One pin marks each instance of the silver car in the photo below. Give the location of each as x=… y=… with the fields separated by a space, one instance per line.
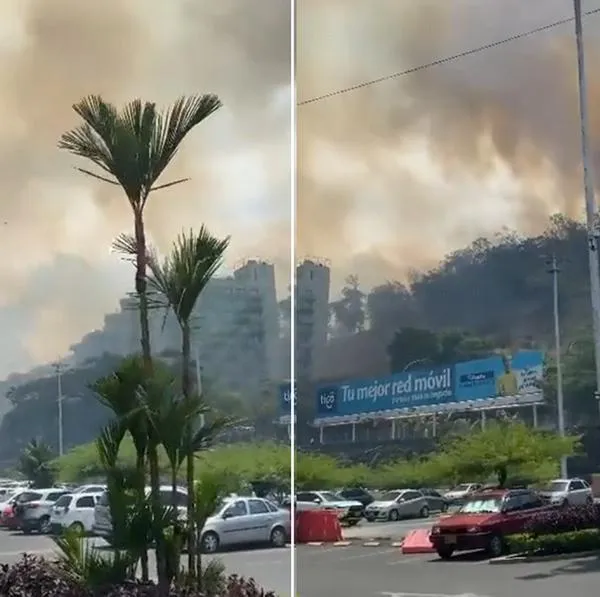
x=245 y=520
x=34 y=507
x=568 y=492
x=397 y=504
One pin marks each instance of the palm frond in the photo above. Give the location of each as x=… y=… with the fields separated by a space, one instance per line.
x=185 y=272
x=135 y=145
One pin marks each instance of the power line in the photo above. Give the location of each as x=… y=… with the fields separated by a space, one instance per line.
x=446 y=60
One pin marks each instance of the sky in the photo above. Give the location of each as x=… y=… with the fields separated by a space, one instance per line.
x=58 y=277
x=393 y=176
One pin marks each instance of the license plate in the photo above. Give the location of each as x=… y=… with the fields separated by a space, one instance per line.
x=449 y=538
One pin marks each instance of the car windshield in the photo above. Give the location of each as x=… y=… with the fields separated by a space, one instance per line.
x=461 y=487
x=390 y=496
x=63 y=501
x=481 y=506
x=328 y=496
x=558 y=486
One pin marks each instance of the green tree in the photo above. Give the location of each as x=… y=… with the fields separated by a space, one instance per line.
x=180 y=279
x=132 y=148
x=36 y=464
x=504 y=449
x=349 y=311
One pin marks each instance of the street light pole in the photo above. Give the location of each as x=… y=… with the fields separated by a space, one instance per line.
x=59 y=399
x=560 y=407
x=588 y=185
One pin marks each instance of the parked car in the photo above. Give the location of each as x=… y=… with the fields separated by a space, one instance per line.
x=33 y=507
x=74 y=511
x=460 y=492
x=246 y=520
x=568 y=492
x=397 y=504
x=88 y=489
x=435 y=500
x=102 y=525
x=348 y=511
x=358 y=494
x=485 y=520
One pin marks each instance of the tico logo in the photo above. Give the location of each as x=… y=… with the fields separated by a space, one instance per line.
x=327 y=400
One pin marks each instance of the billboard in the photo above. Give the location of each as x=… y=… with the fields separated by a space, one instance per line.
x=286 y=393
x=516 y=379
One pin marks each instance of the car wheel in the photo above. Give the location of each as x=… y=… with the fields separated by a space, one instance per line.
x=278 y=537
x=424 y=513
x=210 y=542
x=45 y=525
x=393 y=516
x=495 y=546
x=445 y=552
x=77 y=528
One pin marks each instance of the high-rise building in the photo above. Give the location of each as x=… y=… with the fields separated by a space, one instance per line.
x=235 y=329
x=312 y=314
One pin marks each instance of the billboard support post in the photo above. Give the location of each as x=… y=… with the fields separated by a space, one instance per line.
x=321 y=434
x=434 y=425
x=393 y=429
x=483 y=420
x=535 y=416
x=353 y=432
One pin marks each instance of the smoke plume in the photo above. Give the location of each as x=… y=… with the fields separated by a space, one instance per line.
x=394 y=175
x=57 y=276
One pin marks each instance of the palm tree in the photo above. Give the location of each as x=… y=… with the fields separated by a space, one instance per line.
x=132 y=148
x=180 y=279
x=36 y=463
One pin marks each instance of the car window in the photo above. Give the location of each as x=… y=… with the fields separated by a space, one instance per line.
x=350 y=493
x=391 y=496
x=87 y=501
x=54 y=495
x=575 y=485
x=237 y=509
x=103 y=501
x=272 y=507
x=306 y=496
x=556 y=486
x=329 y=496
x=64 y=500
x=513 y=502
x=530 y=500
x=29 y=496
x=167 y=498
x=257 y=507
x=483 y=505
x=412 y=495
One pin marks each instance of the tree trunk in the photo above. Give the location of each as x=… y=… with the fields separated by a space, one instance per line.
x=141 y=287
x=140 y=466
x=502 y=474
x=161 y=562
x=186 y=386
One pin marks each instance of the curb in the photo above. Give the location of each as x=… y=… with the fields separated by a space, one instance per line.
x=361 y=543
x=522 y=559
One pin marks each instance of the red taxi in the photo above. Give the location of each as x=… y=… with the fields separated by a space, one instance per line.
x=484 y=520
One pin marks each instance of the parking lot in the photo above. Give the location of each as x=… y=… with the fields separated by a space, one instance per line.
x=394 y=531
x=269 y=567
x=385 y=572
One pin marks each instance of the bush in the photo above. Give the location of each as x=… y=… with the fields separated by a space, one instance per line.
x=562 y=543
x=564 y=520
x=33 y=576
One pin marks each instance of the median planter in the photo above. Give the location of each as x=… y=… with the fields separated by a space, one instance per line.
x=530 y=547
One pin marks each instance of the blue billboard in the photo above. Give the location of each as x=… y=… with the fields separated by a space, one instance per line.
x=286 y=394
x=481 y=379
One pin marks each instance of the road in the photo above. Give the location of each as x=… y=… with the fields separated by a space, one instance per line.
x=385 y=572
x=386 y=530
x=269 y=567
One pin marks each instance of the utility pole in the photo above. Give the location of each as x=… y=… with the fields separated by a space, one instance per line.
x=588 y=185
x=58 y=368
x=560 y=406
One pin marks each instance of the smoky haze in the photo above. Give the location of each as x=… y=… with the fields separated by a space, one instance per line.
x=392 y=176
x=57 y=277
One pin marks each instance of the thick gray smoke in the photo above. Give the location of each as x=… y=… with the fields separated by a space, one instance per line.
x=57 y=276
x=394 y=175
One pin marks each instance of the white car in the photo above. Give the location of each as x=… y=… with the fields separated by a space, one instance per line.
x=568 y=492
x=74 y=511
x=348 y=511
x=90 y=489
x=461 y=491
x=102 y=525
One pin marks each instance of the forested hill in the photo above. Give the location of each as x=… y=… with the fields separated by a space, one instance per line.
x=498 y=287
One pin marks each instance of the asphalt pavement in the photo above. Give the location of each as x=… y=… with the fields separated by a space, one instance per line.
x=269 y=567
x=385 y=572
x=394 y=531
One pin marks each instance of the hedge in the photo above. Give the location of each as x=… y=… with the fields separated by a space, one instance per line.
x=560 y=543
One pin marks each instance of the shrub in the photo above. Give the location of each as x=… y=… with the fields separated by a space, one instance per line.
x=563 y=520
x=33 y=576
x=562 y=543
